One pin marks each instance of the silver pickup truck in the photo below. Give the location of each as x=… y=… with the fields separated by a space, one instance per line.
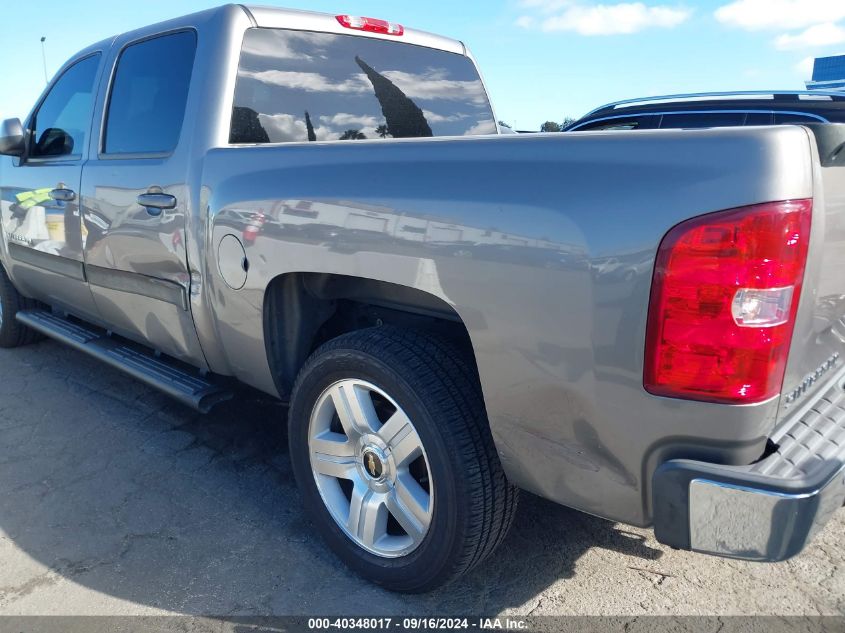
x=649 y=326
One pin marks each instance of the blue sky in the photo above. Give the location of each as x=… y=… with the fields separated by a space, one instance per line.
x=542 y=59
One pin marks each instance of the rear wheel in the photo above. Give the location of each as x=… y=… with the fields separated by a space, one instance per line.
x=393 y=455
x=12 y=333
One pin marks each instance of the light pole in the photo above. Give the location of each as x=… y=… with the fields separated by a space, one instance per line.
x=44 y=58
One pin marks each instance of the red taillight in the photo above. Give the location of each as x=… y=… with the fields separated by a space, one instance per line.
x=723 y=303
x=371 y=25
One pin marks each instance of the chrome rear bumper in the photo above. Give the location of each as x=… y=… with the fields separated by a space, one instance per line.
x=767 y=511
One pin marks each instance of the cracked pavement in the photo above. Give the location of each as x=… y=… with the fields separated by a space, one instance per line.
x=115 y=500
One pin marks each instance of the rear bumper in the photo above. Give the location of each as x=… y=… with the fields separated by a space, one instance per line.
x=767 y=511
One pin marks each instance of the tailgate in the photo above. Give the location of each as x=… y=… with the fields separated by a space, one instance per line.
x=818 y=343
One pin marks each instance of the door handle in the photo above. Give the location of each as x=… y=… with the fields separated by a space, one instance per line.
x=155 y=203
x=63 y=195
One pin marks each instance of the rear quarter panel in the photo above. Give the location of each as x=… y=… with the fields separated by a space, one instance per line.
x=544 y=245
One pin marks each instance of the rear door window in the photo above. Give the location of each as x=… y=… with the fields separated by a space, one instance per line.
x=299 y=86
x=149 y=93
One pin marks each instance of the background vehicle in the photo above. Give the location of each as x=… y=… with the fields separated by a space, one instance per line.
x=716 y=109
x=648 y=327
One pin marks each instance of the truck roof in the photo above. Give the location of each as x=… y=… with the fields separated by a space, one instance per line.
x=279 y=18
x=271 y=17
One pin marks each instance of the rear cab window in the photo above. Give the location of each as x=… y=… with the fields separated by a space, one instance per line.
x=300 y=86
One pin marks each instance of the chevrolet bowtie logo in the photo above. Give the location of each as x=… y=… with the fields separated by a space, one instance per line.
x=373 y=464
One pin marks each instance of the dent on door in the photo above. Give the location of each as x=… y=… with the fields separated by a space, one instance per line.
x=135 y=262
x=128 y=233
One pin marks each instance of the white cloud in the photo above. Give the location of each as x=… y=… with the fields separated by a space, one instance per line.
x=604 y=19
x=431 y=85
x=274 y=45
x=310 y=82
x=427 y=85
x=756 y=15
x=805 y=67
x=348 y=121
x=814 y=36
x=487 y=126
x=283 y=128
x=279 y=44
x=433 y=117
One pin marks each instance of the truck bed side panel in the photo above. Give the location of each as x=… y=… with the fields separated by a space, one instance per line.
x=818 y=343
x=544 y=246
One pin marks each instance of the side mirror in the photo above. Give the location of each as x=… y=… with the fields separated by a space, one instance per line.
x=11 y=137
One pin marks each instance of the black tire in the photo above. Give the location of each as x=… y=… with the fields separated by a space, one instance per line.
x=438 y=389
x=12 y=333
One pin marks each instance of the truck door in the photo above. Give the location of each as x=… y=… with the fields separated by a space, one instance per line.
x=40 y=194
x=135 y=197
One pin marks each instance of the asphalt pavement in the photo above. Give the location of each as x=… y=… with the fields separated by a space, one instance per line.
x=115 y=500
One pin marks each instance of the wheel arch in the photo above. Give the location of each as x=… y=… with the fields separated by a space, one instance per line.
x=302 y=310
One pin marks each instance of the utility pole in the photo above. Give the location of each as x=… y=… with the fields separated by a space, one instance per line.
x=44 y=58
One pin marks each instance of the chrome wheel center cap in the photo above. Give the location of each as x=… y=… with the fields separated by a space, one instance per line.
x=374 y=463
